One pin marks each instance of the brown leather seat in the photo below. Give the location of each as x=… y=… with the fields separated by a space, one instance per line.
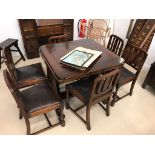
x=92 y=91
x=26 y=75
x=36 y=100
x=38 y=97
x=83 y=88
x=125 y=76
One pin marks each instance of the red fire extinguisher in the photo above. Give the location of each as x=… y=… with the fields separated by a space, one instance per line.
x=82 y=27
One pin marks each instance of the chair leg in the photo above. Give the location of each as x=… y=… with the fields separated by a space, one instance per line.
x=62 y=116
x=88 y=117
x=132 y=86
x=20 y=115
x=108 y=106
x=115 y=96
x=67 y=99
x=28 y=126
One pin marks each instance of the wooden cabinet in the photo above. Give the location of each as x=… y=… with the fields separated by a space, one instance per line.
x=36 y=32
x=150 y=78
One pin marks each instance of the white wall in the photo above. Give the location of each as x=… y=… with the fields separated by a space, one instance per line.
x=9 y=28
x=121 y=27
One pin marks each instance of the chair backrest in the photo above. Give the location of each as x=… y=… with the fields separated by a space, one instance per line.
x=134 y=57
x=115 y=44
x=104 y=84
x=98 y=30
x=11 y=84
x=9 y=61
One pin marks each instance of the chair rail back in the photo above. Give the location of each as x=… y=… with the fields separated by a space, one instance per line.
x=9 y=61
x=134 y=56
x=11 y=84
x=115 y=44
x=104 y=84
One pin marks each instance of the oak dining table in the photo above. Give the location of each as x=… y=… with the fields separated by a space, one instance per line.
x=60 y=74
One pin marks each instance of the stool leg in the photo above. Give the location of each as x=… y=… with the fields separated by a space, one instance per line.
x=0 y=58
x=16 y=45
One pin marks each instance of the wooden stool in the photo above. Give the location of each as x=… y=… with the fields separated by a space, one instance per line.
x=8 y=43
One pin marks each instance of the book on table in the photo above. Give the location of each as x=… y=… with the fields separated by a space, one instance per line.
x=80 y=58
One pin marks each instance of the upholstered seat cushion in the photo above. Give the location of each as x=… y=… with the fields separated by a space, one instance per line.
x=29 y=73
x=125 y=76
x=38 y=97
x=82 y=88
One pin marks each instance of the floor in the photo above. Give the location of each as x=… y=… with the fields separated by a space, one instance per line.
x=131 y=115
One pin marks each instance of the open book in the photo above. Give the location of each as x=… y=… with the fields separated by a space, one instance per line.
x=80 y=57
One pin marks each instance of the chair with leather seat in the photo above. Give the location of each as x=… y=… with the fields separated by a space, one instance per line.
x=134 y=57
x=36 y=100
x=92 y=91
x=26 y=75
x=115 y=44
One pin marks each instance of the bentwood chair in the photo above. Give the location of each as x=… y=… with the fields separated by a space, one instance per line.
x=134 y=58
x=97 y=29
x=24 y=76
x=92 y=91
x=115 y=44
x=34 y=101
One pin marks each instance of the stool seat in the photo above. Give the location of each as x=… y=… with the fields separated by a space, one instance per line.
x=8 y=43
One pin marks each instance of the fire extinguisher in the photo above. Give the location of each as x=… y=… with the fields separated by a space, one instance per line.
x=82 y=27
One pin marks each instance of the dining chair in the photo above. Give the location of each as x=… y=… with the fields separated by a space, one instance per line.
x=58 y=38
x=115 y=44
x=92 y=91
x=26 y=75
x=134 y=57
x=34 y=101
x=96 y=29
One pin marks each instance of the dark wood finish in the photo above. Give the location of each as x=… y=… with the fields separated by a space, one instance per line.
x=58 y=39
x=115 y=44
x=51 y=54
x=30 y=38
x=8 y=43
x=150 y=78
x=35 y=101
x=135 y=58
x=37 y=32
x=92 y=91
x=24 y=76
x=142 y=34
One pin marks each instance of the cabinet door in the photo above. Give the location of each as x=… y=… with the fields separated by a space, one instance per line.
x=29 y=35
x=68 y=28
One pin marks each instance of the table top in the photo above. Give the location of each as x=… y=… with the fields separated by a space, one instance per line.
x=51 y=54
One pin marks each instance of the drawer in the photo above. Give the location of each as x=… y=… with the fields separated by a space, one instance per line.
x=43 y=31
x=56 y=30
x=48 y=31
